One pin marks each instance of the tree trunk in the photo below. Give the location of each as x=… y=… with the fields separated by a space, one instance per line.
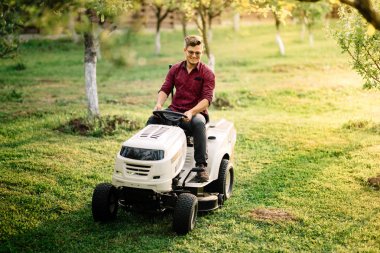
x=304 y=22
x=209 y=35
x=303 y=29
x=279 y=41
x=280 y=44
x=184 y=25
x=158 y=42
x=202 y=26
x=211 y=62
x=236 y=21
x=209 y=32
x=311 y=38
x=90 y=48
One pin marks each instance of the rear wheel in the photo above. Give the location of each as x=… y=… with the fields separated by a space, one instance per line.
x=225 y=182
x=185 y=213
x=104 y=202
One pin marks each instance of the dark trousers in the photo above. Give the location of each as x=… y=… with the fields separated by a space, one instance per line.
x=196 y=128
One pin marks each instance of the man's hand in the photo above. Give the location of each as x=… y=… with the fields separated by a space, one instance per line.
x=158 y=107
x=161 y=98
x=189 y=115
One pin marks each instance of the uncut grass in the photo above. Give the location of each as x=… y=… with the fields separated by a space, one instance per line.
x=292 y=152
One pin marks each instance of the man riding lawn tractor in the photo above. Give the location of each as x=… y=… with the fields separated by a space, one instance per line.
x=194 y=83
x=159 y=167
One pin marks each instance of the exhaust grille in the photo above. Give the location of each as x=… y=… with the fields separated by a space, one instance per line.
x=136 y=169
x=149 y=130
x=159 y=132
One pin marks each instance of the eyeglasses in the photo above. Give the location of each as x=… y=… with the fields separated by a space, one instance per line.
x=197 y=53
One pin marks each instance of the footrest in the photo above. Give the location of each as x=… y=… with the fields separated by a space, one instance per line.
x=207 y=203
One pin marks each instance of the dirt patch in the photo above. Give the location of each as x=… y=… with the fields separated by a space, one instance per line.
x=374 y=182
x=285 y=68
x=98 y=127
x=48 y=81
x=271 y=214
x=222 y=103
x=366 y=125
x=78 y=126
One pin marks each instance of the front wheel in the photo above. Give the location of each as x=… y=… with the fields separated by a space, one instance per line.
x=104 y=202
x=185 y=213
x=225 y=180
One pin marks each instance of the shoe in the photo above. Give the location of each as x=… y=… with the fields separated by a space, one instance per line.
x=202 y=175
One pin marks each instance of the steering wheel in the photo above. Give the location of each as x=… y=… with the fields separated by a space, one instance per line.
x=174 y=117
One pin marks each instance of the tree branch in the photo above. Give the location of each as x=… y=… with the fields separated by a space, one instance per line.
x=365 y=8
x=373 y=60
x=362 y=69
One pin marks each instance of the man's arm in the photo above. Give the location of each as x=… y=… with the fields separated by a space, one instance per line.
x=161 y=98
x=166 y=88
x=200 y=107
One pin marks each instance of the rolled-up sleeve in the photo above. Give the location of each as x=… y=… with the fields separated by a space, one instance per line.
x=169 y=81
x=208 y=85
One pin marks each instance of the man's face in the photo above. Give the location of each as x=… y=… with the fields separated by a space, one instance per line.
x=193 y=54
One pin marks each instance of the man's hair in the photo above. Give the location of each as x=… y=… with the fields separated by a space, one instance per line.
x=192 y=41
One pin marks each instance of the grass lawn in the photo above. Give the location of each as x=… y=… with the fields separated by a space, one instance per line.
x=308 y=140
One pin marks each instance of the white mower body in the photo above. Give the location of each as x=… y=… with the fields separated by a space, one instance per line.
x=150 y=174
x=158 y=153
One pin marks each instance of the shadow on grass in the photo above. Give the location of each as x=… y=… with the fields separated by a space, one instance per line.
x=289 y=172
x=289 y=177
x=77 y=232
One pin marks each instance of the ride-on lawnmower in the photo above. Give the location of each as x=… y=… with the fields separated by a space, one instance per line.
x=155 y=170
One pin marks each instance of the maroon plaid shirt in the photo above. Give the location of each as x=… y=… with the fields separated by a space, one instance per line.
x=191 y=88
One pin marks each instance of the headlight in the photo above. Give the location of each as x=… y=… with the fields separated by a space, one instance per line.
x=142 y=154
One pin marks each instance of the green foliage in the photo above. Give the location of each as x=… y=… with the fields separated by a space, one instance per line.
x=117 y=48
x=10 y=22
x=312 y=13
x=109 y=8
x=362 y=43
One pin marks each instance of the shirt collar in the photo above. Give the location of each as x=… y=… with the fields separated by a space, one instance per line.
x=197 y=67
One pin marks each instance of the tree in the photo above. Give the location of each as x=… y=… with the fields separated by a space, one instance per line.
x=236 y=21
x=14 y=15
x=358 y=35
x=279 y=41
x=10 y=23
x=362 y=43
x=93 y=13
x=246 y=6
x=204 y=12
x=186 y=15
x=215 y=9
x=202 y=9
x=161 y=10
x=97 y=13
x=310 y=14
x=281 y=10
x=364 y=7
